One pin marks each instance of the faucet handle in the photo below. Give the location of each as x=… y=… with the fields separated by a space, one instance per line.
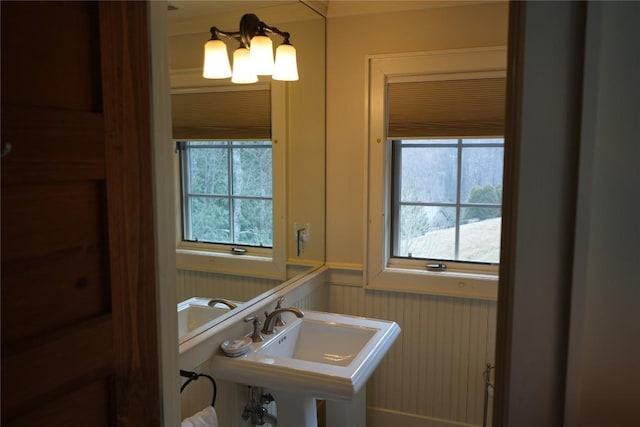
x=256 y=336
x=279 y=321
x=279 y=304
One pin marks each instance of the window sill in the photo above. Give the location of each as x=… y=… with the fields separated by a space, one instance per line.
x=445 y=283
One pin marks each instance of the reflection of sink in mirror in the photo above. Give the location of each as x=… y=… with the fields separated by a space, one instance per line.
x=194 y=314
x=247 y=289
x=321 y=342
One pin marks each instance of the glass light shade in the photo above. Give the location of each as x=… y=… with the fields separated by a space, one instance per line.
x=286 y=66
x=216 y=60
x=243 y=71
x=261 y=49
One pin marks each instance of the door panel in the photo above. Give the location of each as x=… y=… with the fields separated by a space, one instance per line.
x=51 y=145
x=39 y=370
x=85 y=406
x=79 y=339
x=53 y=254
x=54 y=47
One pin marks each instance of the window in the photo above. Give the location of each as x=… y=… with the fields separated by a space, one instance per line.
x=435 y=153
x=447 y=196
x=227 y=192
x=230 y=179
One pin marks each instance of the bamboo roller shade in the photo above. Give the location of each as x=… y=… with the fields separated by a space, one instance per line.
x=446 y=108
x=224 y=115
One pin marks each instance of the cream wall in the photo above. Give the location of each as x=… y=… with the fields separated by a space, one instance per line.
x=349 y=40
x=306 y=136
x=433 y=375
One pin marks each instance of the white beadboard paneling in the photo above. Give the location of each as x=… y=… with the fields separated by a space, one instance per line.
x=215 y=285
x=346 y=300
x=411 y=386
x=434 y=369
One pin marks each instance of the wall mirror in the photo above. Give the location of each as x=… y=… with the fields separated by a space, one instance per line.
x=297 y=116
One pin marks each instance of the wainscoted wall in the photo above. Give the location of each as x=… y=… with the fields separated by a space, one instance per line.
x=216 y=285
x=433 y=374
x=432 y=377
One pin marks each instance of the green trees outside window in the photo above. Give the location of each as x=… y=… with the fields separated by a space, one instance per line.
x=227 y=192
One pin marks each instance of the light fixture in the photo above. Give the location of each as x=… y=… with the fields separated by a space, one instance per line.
x=254 y=56
x=216 y=61
x=285 y=67
x=243 y=70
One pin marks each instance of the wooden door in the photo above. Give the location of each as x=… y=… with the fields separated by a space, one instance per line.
x=79 y=339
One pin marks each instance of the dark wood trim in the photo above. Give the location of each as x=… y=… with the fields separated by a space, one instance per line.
x=127 y=111
x=515 y=55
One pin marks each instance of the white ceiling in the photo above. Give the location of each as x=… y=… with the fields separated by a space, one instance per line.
x=188 y=9
x=337 y=8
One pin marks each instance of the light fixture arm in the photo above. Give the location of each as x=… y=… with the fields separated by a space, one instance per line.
x=250 y=25
x=274 y=30
x=216 y=33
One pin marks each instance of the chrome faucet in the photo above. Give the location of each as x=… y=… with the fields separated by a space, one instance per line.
x=269 y=320
x=226 y=302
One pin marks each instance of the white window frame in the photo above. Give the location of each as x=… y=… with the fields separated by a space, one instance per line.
x=269 y=263
x=408 y=275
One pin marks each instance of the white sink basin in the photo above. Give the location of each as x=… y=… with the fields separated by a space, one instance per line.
x=323 y=355
x=321 y=342
x=194 y=314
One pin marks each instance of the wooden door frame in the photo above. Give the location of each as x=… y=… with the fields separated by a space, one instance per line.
x=127 y=116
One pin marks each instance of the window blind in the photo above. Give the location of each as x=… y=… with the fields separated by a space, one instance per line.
x=446 y=108
x=222 y=115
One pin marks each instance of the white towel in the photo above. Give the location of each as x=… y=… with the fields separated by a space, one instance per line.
x=205 y=418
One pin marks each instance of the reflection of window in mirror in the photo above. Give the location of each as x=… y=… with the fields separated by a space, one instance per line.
x=226 y=172
x=226 y=194
x=437 y=150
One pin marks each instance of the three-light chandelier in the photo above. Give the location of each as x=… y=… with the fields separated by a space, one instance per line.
x=254 y=56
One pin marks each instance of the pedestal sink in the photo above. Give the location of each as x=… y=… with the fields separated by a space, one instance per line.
x=321 y=355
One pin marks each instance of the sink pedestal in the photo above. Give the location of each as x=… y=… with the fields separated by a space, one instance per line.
x=296 y=410
x=348 y=413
